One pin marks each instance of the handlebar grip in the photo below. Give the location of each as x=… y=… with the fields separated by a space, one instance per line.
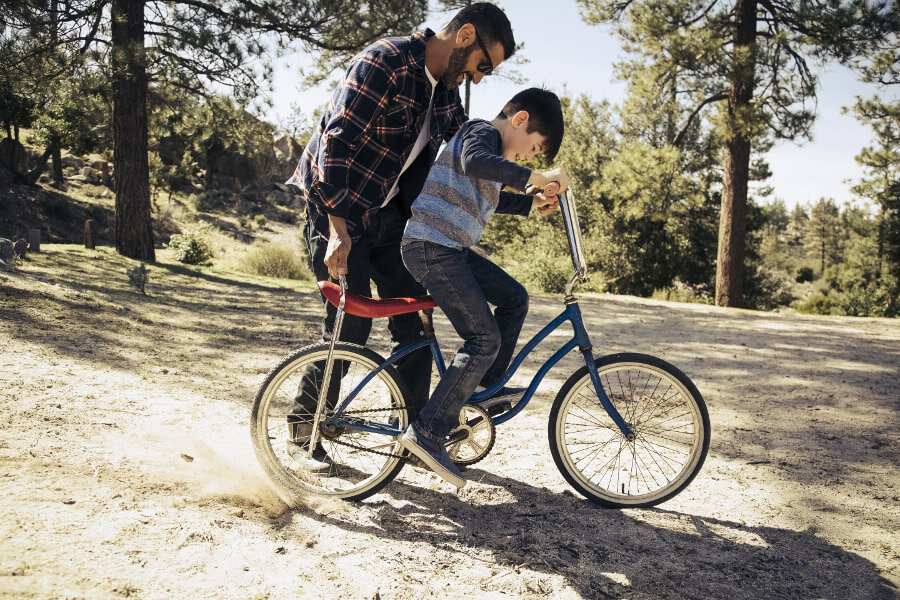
x=551 y=189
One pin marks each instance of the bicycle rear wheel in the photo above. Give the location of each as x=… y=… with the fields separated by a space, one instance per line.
x=361 y=463
x=666 y=414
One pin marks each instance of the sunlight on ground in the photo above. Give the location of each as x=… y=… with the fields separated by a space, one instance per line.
x=619 y=578
x=693 y=526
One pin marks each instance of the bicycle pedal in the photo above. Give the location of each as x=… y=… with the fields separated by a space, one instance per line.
x=499 y=408
x=457 y=435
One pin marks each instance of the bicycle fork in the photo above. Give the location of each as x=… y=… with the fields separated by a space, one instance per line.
x=586 y=349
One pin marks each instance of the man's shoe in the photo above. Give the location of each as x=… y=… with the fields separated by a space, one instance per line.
x=298 y=449
x=319 y=462
x=433 y=454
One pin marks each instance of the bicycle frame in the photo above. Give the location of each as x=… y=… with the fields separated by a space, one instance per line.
x=571 y=314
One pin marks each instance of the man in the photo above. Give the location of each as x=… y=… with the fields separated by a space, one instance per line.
x=368 y=161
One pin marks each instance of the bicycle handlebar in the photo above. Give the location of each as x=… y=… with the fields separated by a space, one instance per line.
x=573 y=235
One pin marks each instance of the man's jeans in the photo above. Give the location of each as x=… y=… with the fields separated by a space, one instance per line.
x=377 y=257
x=463 y=283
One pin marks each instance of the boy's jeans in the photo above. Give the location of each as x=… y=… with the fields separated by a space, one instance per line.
x=463 y=283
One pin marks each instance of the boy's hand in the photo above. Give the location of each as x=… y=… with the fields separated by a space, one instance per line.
x=558 y=176
x=545 y=204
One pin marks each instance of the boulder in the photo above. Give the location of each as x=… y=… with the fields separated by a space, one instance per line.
x=6 y=176
x=72 y=161
x=13 y=156
x=288 y=153
x=288 y=147
x=91 y=176
x=230 y=171
x=7 y=250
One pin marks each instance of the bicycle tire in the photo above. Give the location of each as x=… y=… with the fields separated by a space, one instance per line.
x=361 y=463
x=666 y=413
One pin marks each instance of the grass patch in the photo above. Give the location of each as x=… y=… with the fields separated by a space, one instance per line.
x=280 y=259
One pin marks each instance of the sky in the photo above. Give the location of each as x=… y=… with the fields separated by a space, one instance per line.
x=568 y=56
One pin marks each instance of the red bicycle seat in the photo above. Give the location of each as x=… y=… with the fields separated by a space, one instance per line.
x=373 y=308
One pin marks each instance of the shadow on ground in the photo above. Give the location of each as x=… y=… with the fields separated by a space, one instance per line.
x=634 y=553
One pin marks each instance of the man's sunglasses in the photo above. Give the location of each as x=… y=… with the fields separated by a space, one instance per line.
x=484 y=68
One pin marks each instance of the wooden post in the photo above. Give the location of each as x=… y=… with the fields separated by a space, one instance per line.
x=89 y=234
x=34 y=240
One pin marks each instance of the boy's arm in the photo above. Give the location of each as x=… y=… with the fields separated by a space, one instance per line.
x=521 y=204
x=512 y=203
x=481 y=160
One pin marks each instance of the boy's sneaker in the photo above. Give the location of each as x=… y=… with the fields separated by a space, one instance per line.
x=298 y=449
x=433 y=454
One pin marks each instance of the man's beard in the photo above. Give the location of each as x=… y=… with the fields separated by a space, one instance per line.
x=457 y=66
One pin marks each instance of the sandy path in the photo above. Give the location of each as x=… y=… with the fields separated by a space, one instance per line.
x=126 y=468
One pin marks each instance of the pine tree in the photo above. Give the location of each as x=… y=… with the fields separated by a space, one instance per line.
x=751 y=58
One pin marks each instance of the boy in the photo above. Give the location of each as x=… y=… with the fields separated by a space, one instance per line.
x=448 y=217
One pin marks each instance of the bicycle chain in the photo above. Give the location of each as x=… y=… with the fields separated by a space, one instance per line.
x=358 y=447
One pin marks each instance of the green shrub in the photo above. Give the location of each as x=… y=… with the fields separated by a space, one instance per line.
x=683 y=292
x=547 y=274
x=277 y=259
x=192 y=247
x=817 y=305
x=138 y=276
x=260 y=220
x=804 y=274
x=767 y=289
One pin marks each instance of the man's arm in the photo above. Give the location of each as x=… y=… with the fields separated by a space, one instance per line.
x=361 y=98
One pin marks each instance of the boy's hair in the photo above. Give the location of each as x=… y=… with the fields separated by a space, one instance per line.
x=491 y=24
x=544 y=116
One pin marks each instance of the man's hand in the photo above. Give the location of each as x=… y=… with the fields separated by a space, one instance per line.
x=338 y=247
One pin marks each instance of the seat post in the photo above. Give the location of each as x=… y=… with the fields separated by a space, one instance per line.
x=427 y=322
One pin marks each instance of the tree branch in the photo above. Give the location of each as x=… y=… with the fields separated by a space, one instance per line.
x=716 y=98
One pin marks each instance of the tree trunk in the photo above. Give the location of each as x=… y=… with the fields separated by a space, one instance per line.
x=32 y=176
x=134 y=231
x=57 y=168
x=733 y=222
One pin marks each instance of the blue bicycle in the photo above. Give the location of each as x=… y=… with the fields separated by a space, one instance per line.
x=626 y=430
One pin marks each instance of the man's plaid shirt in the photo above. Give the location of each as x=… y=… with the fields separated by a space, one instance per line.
x=368 y=131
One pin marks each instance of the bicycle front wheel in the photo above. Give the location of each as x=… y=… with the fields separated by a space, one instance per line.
x=667 y=416
x=358 y=463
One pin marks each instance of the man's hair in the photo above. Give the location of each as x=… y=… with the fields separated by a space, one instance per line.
x=544 y=116
x=491 y=24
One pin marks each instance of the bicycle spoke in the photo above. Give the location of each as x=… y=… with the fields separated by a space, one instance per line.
x=357 y=462
x=668 y=421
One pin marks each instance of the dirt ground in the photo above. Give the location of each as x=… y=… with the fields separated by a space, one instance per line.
x=126 y=468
